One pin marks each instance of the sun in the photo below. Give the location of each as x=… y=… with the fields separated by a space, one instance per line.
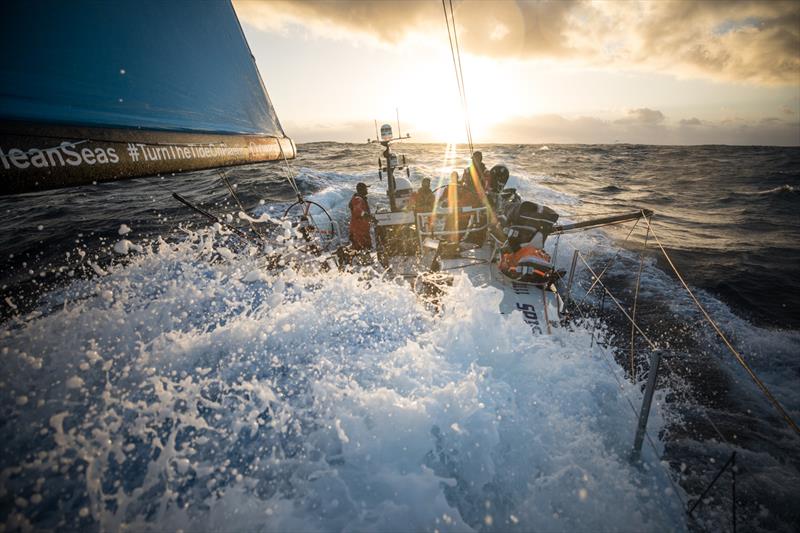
x=431 y=106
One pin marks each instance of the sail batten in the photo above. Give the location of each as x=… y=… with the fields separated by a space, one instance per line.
x=98 y=91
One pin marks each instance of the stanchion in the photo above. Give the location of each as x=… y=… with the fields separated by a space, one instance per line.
x=571 y=275
x=652 y=375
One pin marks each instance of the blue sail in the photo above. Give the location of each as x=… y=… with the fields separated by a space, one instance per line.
x=96 y=91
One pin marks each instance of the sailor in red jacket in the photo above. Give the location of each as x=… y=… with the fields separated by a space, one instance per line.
x=360 y=218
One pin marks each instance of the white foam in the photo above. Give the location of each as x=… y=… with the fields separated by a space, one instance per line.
x=306 y=401
x=124 y=246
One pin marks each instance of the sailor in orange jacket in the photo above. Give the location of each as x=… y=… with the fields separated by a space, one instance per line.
x=360 y=218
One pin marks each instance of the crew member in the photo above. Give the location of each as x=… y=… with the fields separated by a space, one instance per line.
x=496 y=182
x=423 y=198
x=360 y=218
x=475 y=174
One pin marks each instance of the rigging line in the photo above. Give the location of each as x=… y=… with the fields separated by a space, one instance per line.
x=560 y=232
x=463 y=84
x=704 y=414
x=725 y=340
x=635 y=303
x=224 y=176
x=289 y=174
x=242 y=235
x=713 y=481
x=609 y=263
x=576 y=215
x=668 y=364
x=459 y=73
x=652 y=345
x=613 y=299
x=675 y=488
x=453 y=55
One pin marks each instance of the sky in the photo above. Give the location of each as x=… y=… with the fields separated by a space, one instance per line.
x=650 y=72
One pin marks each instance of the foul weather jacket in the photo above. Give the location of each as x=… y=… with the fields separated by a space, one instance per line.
x=359 y=223
x=423 y=201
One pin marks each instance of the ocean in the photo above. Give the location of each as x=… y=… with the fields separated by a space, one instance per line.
x=157 y=375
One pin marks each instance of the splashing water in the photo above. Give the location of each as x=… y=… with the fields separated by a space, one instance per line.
x=182 y=391
x=181 y=384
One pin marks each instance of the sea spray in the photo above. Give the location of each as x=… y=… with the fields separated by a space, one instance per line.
x=305 y=401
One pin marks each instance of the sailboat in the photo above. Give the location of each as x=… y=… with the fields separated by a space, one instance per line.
x=492 y=235
x=117 y=90
x=169 y=91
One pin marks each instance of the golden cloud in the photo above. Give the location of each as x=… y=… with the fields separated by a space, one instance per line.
x=751 y=41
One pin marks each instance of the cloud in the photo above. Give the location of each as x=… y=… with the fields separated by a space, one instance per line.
x=643 y=116
x=739 y=40
x=691 y=122
x=745 y=40
x=591 y=130
x=388 y=21
x=556 y=129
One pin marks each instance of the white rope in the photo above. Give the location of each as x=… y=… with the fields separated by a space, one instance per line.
x=619 y=305
x=610 y=368
x=289 y=173
x=290 y=177
x=764 y=389
x=610 y=261
x=224 y=176
x=667 y=363
x=649 y=341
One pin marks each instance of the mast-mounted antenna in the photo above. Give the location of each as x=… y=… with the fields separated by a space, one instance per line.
x=399 y=131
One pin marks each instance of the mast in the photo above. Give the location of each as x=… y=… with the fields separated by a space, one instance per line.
x=386 y=138
x=391 y=162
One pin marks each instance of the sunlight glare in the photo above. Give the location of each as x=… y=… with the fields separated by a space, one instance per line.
x=432 y=105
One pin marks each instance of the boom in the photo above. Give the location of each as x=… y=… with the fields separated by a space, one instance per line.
x=605 y=221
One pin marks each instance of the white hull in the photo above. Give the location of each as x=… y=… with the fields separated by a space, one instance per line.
x=538 y=307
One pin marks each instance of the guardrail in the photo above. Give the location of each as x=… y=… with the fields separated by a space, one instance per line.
x=435 y=224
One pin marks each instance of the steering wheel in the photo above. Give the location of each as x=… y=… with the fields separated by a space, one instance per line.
x=325 y=230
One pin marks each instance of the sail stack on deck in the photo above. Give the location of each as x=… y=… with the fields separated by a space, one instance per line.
x=102 y=91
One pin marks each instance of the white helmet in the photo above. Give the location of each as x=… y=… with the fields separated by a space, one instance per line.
x=402 y=192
